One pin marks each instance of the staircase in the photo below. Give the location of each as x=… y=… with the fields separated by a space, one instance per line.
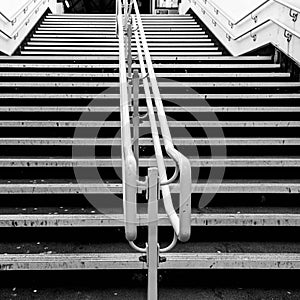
x=236 y=118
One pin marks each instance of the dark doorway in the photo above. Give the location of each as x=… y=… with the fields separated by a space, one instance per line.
x=101 y=6
x=145 y=6
x=90 y=6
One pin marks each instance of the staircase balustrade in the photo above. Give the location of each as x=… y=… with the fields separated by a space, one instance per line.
x=130 y=87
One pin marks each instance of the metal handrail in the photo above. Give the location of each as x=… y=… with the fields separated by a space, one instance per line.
x=287 y=29
x=13 y=18
x=156 y=140
x=267 y=2
x=15 y=33
x=180 y=224
x=129 y=166
x=233 y=22
x=233 y=37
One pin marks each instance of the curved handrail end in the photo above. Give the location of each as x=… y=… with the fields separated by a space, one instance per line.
x=185 y=198
x=130 y=188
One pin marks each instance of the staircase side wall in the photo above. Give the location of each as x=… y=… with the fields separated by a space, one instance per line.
x=269 y=24
x=18 y=19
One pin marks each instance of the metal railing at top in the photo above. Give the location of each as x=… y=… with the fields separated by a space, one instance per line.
x=232 y=22
x=181 y=223
x=288 y=33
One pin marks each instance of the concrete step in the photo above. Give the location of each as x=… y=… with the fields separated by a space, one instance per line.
x=184 y=97
x=241 y=67
x=182 y=109
x=108 y=55
x=151 y=30
x=161 y=84
x=105 y=45
x=116 y=162
x=66 y=38
x=175 y=23
x=240 y=141
x=47 y=187
x=27 y=75
x=78 y=220
x=71 y=25
x=111 y=261
x=175 y=124
x=105 y=49
x=76 y=58
x=107 y=37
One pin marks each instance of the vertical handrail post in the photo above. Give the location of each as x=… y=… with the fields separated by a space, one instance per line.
x=152 y=246
x=136 y=117
x=129 y=48
x=125 y=14
x=129 y=56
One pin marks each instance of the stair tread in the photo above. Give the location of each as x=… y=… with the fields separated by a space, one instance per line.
x=70 y=210
x=58 y=38
x=157 y=31
x=94 y=58
x=131 y=261
x=107 y=36
x=227 y=186
x=183 y=109
x=242 y=141
x=153 y=35
x=101 y=48
x=84 y=219
x=229 y=84
x=113 y=15
x=108 y=55
x=146 y=23
x=201 y=43
x=214 y=124
x=146 y=26
x=254 y=161
x=105 y=46
x=161 y=84
x=157 y=66
x=164 y=96
x=162 y=75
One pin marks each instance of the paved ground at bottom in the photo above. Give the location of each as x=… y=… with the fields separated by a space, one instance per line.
x=139 y=293
x=211 y=285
